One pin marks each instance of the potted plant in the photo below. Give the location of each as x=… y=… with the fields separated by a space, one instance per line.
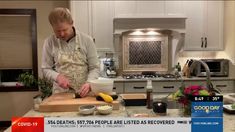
x=45 y=86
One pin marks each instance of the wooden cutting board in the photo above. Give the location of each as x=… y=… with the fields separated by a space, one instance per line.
x=66 y=102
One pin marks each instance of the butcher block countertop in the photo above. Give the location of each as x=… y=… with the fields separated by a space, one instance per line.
x=130 y=111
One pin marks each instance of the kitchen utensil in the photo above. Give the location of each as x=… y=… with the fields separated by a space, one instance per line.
x=102 y=86
x=109 y=66
x=185 y=67
x=87 y=109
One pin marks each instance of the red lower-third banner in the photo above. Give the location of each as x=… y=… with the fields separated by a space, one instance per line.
x=27 y=124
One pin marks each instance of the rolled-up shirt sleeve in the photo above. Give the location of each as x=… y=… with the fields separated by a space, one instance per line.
x=93 y=62
x=48 y=61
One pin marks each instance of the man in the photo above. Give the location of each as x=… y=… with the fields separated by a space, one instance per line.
x=69 y=57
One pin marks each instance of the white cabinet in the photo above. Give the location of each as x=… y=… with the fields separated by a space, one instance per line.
x=135 y=87
x=226 y=86
x=118 y=87
x=158 y=86
x=96 y=19
x=102 y=20
x=165 y=87
x=81 y=12
x=204 y=25
x=190 y=83
x=148 y=8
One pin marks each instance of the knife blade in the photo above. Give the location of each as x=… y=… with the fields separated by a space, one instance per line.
x=77 y=95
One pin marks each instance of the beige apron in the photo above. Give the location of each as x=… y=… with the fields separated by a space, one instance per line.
x=72 y=64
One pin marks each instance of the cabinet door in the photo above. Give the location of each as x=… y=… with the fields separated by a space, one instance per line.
x=174 y=8
x=204 y=26
x=96 y=19
x=194 y=25
x=80 y=11
x=118 y=87
x=214 y=28
x=102 y=24
x=124 y=8
x=150 y=8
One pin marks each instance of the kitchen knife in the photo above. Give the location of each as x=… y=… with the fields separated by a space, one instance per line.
x=185 y=67
x=77 y=95
x=190 y=63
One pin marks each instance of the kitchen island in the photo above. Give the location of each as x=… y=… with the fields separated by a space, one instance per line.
x=130 y=111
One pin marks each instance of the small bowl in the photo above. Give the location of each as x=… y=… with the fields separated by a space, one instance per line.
x=105 y=109
x=87 y=109
x=159 y=107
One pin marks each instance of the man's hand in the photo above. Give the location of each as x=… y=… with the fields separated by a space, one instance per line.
x=62 y=81
x=85 y=89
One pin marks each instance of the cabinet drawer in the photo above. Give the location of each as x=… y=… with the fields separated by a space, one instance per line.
x=135 y=87
x=224 y=86
x=189 y=83
x=165 y=86
x=118 y=87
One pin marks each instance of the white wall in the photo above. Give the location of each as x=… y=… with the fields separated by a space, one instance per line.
x=18 y=103
x=229 y=33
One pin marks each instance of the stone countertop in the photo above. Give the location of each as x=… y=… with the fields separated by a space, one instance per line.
x=130 y=111
x=121 y=79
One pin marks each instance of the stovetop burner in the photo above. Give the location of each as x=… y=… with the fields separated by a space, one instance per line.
x=145 y=76
x=168 y=76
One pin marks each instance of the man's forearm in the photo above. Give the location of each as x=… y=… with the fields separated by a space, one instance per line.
x=93 y=74
x=50 y=74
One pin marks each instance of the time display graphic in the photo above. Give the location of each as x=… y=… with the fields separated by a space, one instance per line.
x=207 y=99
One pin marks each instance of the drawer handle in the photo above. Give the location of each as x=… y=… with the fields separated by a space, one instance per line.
x=221 y=85
x=138 y=87
x=114 y=88
x=168 y=87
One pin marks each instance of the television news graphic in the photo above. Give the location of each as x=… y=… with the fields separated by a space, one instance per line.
x=207 y=113
x=27 y=124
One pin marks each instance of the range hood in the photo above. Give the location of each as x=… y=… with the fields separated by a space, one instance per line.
x=125 y=23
